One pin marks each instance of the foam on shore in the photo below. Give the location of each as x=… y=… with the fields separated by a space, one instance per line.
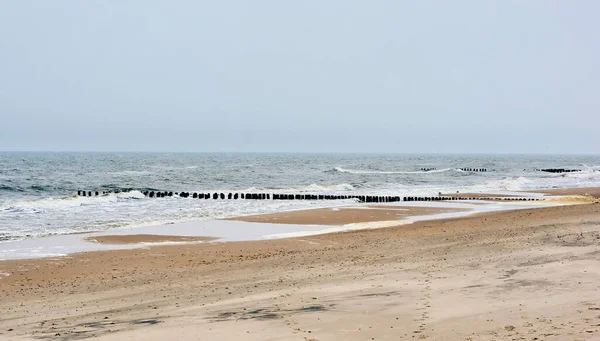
x=234 y=230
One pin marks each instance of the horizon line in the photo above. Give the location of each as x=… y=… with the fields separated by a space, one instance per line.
x=297 y=152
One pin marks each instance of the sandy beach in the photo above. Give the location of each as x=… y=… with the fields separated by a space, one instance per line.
x=588 y=191
x=144 y=238
x=529 y=274
x=346 y=215
x=293 y=171
x=478 y=195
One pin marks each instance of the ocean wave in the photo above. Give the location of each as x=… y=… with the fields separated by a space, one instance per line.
x=588 y=173
x=355 y=171
x=588 y=167
x=323 y=188
x=170 y=168
x=304 y=188
x=41 y=188
x=121 y=173
x=10 y=188
x=44 y=204
x=520 y=183
x=515 y=183
x=129 y=172
x=585 y=172
x=113 y=188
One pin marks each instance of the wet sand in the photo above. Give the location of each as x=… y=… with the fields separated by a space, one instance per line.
x=477 y=195
x=144 y=238
x=521 y=275
x=346 y=215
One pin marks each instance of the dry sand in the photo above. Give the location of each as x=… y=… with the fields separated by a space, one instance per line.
x=522 y=275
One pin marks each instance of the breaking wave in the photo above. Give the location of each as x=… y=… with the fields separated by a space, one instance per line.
x=42 y=205
x=516 y=183
x=305 y=188
x=356 y=171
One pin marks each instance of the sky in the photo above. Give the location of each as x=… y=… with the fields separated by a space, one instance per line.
x=300 y=76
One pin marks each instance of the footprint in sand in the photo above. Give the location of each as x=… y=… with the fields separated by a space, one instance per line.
x=424 y=304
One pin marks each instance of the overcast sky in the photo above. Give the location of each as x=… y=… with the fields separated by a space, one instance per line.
x=300 y=76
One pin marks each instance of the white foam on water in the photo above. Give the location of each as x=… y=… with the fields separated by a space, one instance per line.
x=345 y=228
x=357 y=171
x=29 y=218
x=68 y=202
x=130 y=209
x=312 y=188
x=225 y=230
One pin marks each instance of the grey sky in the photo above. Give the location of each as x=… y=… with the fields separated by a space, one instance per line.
x=350 y=76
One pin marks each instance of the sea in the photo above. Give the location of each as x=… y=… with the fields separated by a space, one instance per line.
x=38 y=191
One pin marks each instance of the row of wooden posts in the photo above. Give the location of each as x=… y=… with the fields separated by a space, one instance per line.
x=277 y=196
x=558 y=170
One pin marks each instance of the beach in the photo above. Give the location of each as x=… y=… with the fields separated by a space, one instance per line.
x=527 y=274
x=294 y=171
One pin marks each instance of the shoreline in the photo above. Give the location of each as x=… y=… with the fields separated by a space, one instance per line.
x=285 y=224
x=583 y=191
x=523 y=273
x=144 y=238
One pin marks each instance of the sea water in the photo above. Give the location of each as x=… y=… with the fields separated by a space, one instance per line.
x=38 y=190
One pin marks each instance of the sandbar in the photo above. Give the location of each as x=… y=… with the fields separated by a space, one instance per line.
x=346 y=215
x=144 y=238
